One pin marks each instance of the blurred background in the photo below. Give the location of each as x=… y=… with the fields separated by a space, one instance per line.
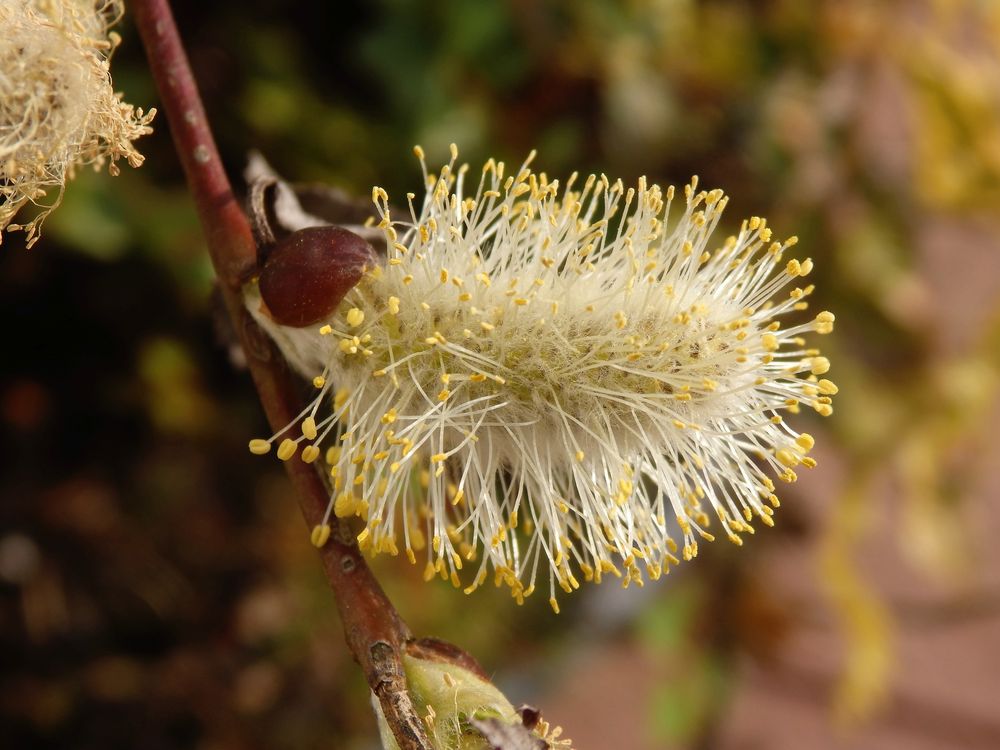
x=157 y=589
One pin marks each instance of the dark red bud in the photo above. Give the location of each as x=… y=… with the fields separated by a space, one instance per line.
x=307 y=274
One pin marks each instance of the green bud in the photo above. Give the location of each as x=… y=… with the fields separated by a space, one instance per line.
x=448 y=697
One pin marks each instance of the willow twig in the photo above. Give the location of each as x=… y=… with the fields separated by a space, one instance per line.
x=375 y=633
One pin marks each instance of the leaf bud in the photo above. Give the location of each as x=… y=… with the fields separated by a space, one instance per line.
x=307 y=274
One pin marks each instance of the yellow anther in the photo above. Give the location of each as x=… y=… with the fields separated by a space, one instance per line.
x=824 y=323
x=325 y=330
x=393 y=305
x=794 y=268
x=805 y=441
x=824 y=410
x=259 y=446
x=320 y=535
x=319 y=381
x=310 y=453
x=486 y=326
x=287 y=449
x=827 y=387
x=769 y=341
x=579 y=455
x=344 y=505
x=355 y=317
x=390 y=416
x=554 y=604
x=443 y=395
x=788 y=476
x=438 y=458
x=787 y=458
x=309 y=428
x=819 y=365
x=609 y=567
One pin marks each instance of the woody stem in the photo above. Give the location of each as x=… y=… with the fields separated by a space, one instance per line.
x=374 y=631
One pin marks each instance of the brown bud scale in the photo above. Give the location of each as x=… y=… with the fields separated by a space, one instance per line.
x=307 y=274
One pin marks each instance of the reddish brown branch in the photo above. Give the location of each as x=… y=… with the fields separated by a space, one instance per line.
x=375 y=633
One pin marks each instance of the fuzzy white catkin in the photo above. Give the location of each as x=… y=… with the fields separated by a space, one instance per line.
x=558 y=379
x=58 y=110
